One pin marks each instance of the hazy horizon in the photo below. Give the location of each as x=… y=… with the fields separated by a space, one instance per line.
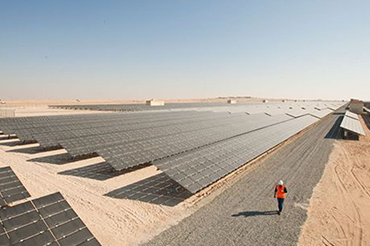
x=134 y=50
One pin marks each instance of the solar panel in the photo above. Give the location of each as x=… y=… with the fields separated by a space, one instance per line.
x=296 y=113
x=48 y=220
x=351 y=115
x=321 y=113
x=11 y=188
x=352 y=125
x=198 y=168
x=320 y=107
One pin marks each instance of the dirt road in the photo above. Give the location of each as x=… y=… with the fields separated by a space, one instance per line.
x=245 y=214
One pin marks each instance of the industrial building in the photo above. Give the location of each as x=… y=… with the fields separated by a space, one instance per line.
x=153 y=102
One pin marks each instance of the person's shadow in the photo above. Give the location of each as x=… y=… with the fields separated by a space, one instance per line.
x=255 y=213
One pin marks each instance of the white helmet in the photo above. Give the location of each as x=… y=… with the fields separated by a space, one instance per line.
x=281 y=182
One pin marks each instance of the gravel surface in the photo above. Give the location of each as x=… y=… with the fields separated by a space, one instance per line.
x=245 y=214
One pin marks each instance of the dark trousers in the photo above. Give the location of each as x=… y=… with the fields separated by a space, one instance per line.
x=281 y=203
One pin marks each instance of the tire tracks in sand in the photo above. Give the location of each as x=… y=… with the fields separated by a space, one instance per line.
x=338 y=211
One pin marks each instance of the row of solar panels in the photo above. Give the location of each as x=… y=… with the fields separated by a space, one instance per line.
x=136 y=107
x=274 y=108
x=124 y=142
x=196 y=169
x=256 y=107
x=47 y=220
x=351 y=122
x=26 y=127
x=70 y=121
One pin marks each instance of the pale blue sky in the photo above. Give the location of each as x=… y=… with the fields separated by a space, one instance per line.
x=184 y=49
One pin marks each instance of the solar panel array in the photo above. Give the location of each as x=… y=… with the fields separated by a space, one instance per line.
x=215 y=106
x=28 y=127
x=352 y=123
x=136 y=107
x=48 y=220
x=125 y=155
x=114 y=126
x=149 y=131
x=234 y=134
x=11 y=188
x=197 y=169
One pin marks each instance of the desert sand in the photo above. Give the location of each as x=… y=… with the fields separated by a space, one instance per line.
x=339 y=212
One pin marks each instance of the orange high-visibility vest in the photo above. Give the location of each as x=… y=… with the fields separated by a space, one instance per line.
x=280 y=191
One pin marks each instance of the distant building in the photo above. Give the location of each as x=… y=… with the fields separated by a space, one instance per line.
x=265 y=101
x=231 y=101
x=153 y=102
x=356 y=106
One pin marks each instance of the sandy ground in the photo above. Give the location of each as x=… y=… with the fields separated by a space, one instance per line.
x=339 y=212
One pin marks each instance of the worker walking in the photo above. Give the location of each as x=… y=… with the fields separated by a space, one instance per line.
x=280 y=192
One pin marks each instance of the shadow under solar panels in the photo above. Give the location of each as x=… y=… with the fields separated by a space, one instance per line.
x=60 y=159
x=11 y=188
x=28 y=150
x=48 y=220
x=100 y=171
x=158 y=189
